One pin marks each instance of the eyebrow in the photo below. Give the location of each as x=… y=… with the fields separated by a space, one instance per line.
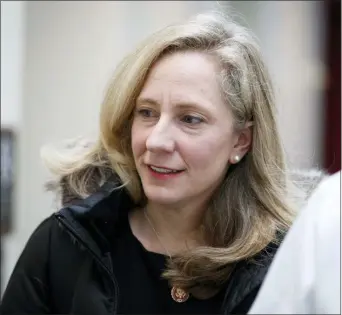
x=146 y=100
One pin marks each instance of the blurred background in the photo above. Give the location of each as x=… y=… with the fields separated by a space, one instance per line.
x=57 y=57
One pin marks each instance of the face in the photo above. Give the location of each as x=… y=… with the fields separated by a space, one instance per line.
x=182 y=133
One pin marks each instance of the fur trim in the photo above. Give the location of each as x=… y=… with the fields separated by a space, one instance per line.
x=305 y=181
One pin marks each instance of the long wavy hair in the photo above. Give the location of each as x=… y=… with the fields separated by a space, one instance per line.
x=251 y=205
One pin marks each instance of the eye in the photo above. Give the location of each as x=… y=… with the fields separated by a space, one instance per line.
x=144 y=112
x=192 y=120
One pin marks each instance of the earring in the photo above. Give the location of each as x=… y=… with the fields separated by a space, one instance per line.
x=236 y=158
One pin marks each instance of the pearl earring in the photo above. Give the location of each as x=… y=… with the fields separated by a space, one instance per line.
x=236 y=158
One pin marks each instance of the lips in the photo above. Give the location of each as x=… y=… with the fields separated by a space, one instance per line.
x=163 y=170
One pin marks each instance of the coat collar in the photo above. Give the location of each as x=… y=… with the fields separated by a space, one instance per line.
x=106 y=204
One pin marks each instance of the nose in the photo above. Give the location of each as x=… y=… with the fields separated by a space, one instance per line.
x=160 y=137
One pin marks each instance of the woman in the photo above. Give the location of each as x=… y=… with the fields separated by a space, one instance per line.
x=180 y=204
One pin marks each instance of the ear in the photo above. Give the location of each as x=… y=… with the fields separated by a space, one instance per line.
x=242 y=143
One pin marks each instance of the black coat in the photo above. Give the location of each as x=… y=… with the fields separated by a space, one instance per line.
x=66 y=266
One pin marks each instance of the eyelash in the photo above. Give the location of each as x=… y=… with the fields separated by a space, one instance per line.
x=147 y=113
x=199 y=119
x=142 y=111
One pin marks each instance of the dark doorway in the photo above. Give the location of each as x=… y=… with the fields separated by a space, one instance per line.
x=332 y=150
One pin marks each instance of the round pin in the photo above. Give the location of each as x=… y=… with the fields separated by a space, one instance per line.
x=179 y=295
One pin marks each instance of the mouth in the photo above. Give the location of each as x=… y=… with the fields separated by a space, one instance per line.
x=163 y=171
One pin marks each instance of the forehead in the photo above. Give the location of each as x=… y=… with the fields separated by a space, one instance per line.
x=183 y=76
x=185 y=66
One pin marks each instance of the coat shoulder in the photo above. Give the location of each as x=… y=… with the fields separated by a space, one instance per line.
x=246 y=280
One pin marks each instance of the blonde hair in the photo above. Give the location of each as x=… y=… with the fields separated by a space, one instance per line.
x=251 y=206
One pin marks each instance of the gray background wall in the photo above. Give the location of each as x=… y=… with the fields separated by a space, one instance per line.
x=56 y=58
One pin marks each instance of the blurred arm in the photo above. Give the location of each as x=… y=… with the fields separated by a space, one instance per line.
x=304 y=277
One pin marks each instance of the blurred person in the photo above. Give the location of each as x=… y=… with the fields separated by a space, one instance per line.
x=305 y=276
x=181 y=203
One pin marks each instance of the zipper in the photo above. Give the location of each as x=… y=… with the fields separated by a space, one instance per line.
x=68 y=226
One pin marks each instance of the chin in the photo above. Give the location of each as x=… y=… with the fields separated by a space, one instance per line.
x=162 y=195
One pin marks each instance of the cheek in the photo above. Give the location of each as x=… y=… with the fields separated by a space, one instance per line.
x=209 y=152
x=138 y=140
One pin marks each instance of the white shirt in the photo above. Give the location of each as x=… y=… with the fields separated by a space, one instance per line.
x=305 y=277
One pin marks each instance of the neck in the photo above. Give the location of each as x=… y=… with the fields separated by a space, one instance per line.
x=178 y=228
